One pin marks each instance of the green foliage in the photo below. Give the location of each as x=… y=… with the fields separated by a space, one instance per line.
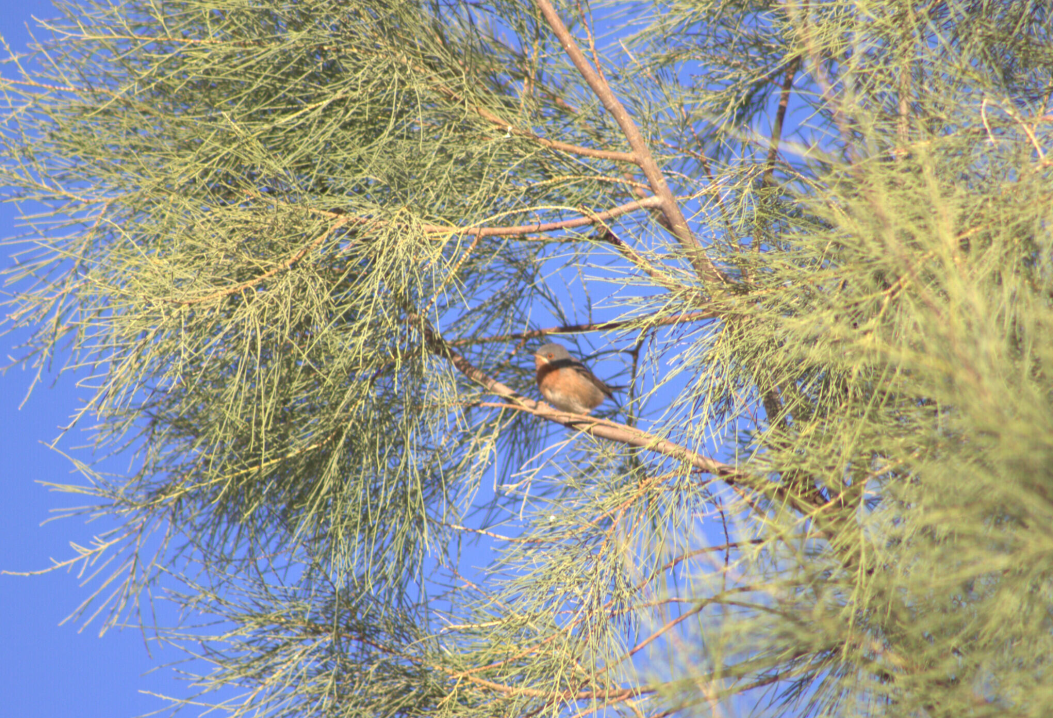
x=307 y=247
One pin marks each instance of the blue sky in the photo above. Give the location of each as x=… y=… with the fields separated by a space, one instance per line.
x=47 y=669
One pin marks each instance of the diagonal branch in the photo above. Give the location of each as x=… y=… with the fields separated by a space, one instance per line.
x=611 y=430
x=597 y=427
x=641 y=153
x=780 y=119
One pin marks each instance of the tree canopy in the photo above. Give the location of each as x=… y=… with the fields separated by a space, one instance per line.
x=306 y=250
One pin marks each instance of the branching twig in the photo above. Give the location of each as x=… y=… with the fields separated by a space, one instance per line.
x=269 y=273
x=590 y=218
x=641 y=153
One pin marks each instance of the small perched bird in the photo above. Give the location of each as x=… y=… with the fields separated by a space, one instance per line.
x=567 y=383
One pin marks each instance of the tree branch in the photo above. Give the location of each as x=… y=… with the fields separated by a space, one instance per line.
x=597 y=427
x=610 y=430
x=780 y=118
x=641 y=153
x=590 y=218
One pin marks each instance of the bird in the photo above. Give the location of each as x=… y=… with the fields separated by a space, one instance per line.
x=567 y=383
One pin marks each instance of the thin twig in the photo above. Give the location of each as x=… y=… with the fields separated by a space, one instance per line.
x=680 y=318
x=269 y=273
